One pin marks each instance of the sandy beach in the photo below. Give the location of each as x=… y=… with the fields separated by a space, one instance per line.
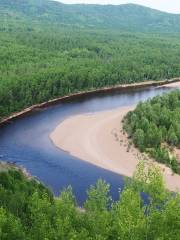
x=172 y=85
x=98 y=138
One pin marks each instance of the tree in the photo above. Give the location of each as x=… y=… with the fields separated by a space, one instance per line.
x=139 y=139
x=172 y=138
x=10 y=227
x=97 y=214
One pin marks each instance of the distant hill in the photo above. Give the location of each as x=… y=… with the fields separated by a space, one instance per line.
x=126 y=17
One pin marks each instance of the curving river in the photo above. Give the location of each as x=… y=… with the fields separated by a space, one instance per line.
x=25 y=141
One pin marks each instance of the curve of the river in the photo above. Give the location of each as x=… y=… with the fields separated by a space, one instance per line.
x=26 y=142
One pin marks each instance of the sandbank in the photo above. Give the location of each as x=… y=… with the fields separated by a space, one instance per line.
x=98 y=138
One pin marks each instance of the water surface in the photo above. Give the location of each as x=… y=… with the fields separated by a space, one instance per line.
x=25 y=141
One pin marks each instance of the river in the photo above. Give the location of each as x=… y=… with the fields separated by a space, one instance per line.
x=25 y=141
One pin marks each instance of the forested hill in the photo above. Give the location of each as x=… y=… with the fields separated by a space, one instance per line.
x=126 y=17
x=28 y=211
x=44 y=56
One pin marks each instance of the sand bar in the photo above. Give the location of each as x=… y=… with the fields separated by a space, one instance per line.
x=98 y=139
x=172 y=85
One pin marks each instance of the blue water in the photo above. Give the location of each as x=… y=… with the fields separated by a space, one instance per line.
x=25 y=141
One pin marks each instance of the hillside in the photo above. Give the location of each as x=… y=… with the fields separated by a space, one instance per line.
x=28 y=211
x=49 y=49
x=127 y=17
x=43 y=56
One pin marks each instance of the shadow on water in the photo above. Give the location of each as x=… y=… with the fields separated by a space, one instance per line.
x=26 y=142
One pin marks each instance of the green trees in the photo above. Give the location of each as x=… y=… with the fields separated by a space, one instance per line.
x=155 y=126
x=10 y=227
x=129 y=219
x=48 y=62
x=138 y=139
x=48 y=218
x=44 y=56
x=97 y=215
x=172 y=138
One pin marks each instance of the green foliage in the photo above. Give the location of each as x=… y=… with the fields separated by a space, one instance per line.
x=10 y=227
x=50 y=49
x=138 y=139
x=40 y=66
x=43 y=56
x=126 y=17
x=98 y=197
x=48 y=218
x=154 y=125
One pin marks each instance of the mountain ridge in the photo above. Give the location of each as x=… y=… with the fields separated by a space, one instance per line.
x=124 y=17
x=115 y=5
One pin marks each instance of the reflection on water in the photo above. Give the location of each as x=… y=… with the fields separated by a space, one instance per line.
x=25 y=141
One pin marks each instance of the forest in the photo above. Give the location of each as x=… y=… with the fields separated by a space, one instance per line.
x=145 y=210
x=38 y=66
x=47 y=50
x=124 y=17
x=154 y=127
x=41 y=60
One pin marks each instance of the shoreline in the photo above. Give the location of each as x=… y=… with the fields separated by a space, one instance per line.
x=79 y=94
x=6 y=166
x=98 y=138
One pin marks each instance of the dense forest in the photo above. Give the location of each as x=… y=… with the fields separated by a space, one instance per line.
x=49 y=49
x=41 y=60
x=154 y=127
x=145 y=210
x=36 y=66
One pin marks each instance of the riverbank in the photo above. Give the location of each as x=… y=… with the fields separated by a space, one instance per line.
x=99 y=139
x=172 y=85
x=81 y=94
x=6 y=166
